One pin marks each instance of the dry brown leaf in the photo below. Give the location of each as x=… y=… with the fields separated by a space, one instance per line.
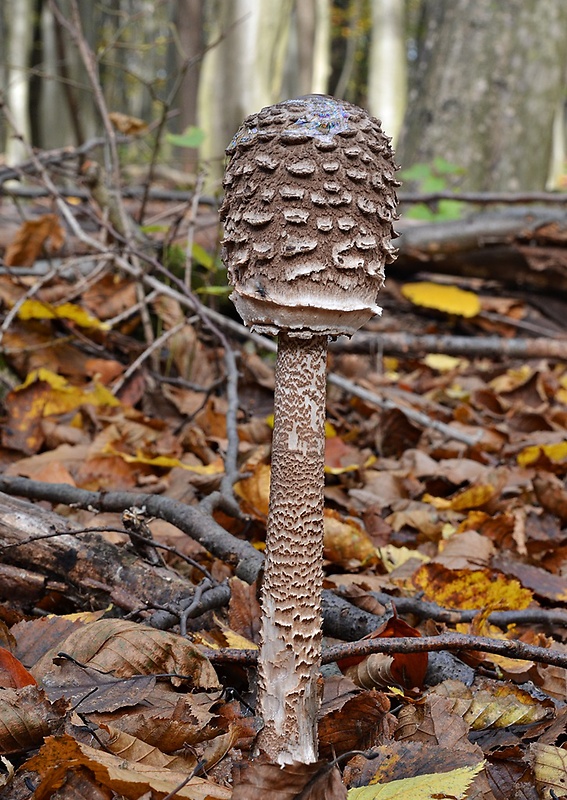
x=125 y=649
x=30 y=239
x=131 y=780
x=126 y=124
x=169 y=721
x=132 y=749
x=261 y=779
x=363 y=721
x=27 y=717
x=244 y=611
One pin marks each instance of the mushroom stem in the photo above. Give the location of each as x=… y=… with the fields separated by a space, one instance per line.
x=290 y=643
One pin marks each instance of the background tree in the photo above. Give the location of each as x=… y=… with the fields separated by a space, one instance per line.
x=487 y=83
x=387 y=73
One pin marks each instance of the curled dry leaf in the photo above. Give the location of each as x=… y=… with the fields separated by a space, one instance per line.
x=346 y=542
x=363 y=721
x=169 y=721
x=27 y=717
x=135 y=750
x=406 y=670
x=128 y=779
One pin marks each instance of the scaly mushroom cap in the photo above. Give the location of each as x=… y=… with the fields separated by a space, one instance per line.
x=310 y=197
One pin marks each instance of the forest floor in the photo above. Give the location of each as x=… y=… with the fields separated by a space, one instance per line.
x=138 y=427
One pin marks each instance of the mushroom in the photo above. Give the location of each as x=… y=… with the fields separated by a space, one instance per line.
x=310 y=198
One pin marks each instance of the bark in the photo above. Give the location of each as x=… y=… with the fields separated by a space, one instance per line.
x=189 y=25
x=309 y=56
x=243 y=70
x=387 y=74
x=86 y=564
x=290 y=638
x=407 y=344
x=19 y=33
x=488 y=79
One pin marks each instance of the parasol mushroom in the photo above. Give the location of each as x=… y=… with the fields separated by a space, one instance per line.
x=310 y=198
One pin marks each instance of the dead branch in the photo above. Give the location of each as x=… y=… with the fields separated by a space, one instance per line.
x=484 y=198
x=407 y=344
x=342 y=620
x=522 y=247
x=424 y=609
x=453 y=642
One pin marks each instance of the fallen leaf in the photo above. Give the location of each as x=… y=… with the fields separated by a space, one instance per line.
x=30 y=239
x=449 y=299
x=435 y=786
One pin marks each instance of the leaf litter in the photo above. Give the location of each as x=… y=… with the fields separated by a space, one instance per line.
x=97 y=698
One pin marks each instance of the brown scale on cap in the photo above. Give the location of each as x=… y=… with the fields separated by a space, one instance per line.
x=310 y=198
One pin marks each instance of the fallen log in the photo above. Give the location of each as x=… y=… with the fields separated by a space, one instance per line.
x=521 y=247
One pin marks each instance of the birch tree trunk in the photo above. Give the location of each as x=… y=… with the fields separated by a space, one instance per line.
x=487 y=83
x=19 y=34
x=387 y=74
x=243 y=71
x=309 y=59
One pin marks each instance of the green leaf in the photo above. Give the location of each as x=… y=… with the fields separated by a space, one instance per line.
x=191 y=137
x=421 y=211
x=203 y=258
x=449 y=209
x=443 y=167
x=417 y=172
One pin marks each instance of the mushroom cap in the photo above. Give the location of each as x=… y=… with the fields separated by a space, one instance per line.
x=310 y=199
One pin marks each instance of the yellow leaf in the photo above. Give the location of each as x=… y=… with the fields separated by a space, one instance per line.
x=450 y=299
x=65 y=397
x=467 y=588
x=216 y=468
x=556 y=452
x=441 y=362
x=549 y=764
x=36 y=309
x=472 y=497
x=393 y=557
x=435 y=786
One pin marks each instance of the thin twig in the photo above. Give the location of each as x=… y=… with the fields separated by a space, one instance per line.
x=152 y=348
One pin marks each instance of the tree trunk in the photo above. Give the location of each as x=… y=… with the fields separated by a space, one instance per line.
x=19 y=33
x=188 y=21
x=241 y=73
x=487 y=82
x=387 y=75
x=309 y=66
